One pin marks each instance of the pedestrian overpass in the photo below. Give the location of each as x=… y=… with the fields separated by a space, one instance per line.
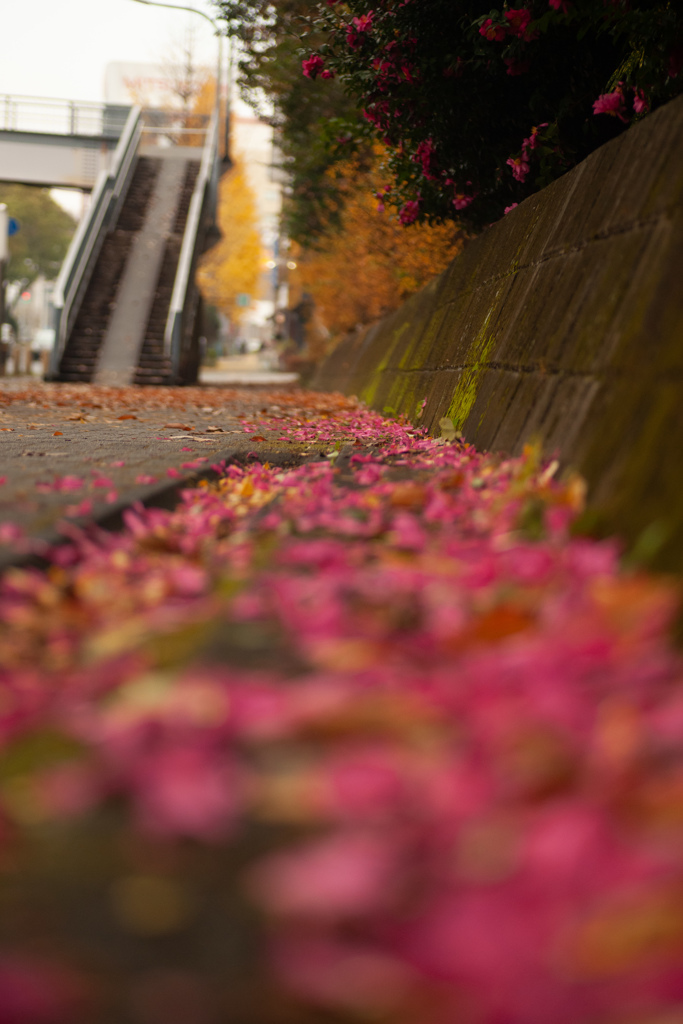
x=57 y=143
x=127 y=309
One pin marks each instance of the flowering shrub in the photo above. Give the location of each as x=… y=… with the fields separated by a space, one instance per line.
x=468 y=723
x=482 y=107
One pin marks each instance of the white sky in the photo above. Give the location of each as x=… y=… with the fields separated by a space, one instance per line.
x=60 y=48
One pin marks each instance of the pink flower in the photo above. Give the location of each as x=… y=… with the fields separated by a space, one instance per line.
x=145 y=478
x=327 y=73
x=611 y=103
x=409 y=211
x=341 y=876
x=511 y=207
x=424 y=155
x=69 y=483
x=312 y=65
x=519 y=165
x=491 y=31
x=82 y=509
x=185 y=791
x=560 y=5
x=533 y=140
x=10 y=532
x=641 y=104
x=364 y=23
x=353 y=39
x=461 y=201
x=518 y=21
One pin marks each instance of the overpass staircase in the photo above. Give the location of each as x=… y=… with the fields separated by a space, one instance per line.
x=127 y=309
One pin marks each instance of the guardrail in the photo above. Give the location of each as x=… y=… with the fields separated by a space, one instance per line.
x=43 y=115
x=107 y=197
x=177 y=322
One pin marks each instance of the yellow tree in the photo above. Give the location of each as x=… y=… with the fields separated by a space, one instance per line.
x=233 y=266
x=370 y=263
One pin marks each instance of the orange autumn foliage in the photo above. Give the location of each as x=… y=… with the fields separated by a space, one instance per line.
x=233 y=266
x=371 y=263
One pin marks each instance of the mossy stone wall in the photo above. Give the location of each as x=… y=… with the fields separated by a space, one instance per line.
x=562 y=322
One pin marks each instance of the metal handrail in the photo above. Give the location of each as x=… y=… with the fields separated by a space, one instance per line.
x=85 y=246
x=47 y=115
x=173 y=333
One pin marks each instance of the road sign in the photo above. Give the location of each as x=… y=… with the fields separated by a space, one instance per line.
x=13 y=226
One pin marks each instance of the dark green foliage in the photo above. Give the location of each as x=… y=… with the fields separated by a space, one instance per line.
x=479 y=107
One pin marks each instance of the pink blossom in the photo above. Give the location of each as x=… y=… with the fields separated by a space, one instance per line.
x=69 y=483
x=424 y=155
x=312 y=65
x=10 y=532
x=327 y=73
x=519 y=165
x=186 y=790
x=340 y=876
x=409 y=211
x=513 y=206
x=518 y=21
x=492 y=31
x=641 y=104
x=560 y=5
x=611 y=103
x=84 y=508
x=364 y=23
x=462 y=201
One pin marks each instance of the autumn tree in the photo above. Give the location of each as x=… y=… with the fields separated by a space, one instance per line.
x=368 y=264
x=233 y=266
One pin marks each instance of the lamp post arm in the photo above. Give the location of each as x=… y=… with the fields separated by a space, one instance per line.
x=181 y=7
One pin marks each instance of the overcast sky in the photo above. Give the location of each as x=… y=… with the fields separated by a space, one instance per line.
x=60 y=48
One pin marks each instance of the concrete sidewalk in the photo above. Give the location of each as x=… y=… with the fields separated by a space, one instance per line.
x=82 y=451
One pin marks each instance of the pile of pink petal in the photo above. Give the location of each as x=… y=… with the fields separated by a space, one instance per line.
x=471 y=719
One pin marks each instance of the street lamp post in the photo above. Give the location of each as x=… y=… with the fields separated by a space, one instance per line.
x=219 y=65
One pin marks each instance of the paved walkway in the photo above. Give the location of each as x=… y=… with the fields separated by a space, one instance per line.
x=81 y=450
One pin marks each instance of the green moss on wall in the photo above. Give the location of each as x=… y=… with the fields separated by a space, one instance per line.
x=467 y=387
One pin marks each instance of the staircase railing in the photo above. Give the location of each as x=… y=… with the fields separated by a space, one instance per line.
x=107 y=197
x=179 y=323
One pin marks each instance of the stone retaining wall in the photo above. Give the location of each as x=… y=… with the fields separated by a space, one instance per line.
x=562 y=322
